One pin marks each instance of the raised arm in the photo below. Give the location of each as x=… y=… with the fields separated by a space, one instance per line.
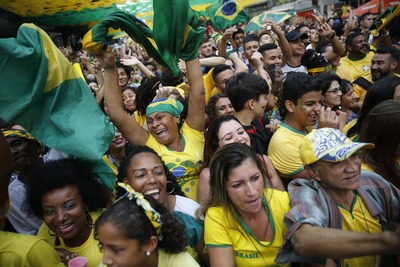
x=129 y=127
x=212 y=61
x=240 y=66
x=196 y=113
x=338 y=49
x=283 y=43
x=223 y=42
x=133 y=61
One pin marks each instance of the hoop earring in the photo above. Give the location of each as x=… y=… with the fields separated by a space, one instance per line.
x=173 y=188
x=51 y=233
x=90 y=225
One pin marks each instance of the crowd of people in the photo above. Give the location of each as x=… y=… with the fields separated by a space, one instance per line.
x=272 y=148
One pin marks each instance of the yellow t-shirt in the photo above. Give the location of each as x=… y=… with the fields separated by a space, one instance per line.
x=18 y=250
x=358 y=219
x=343 y=73
x=89 y=250
x=283 y=150
x=247 y=249
x=358 y=68
x=185 y=165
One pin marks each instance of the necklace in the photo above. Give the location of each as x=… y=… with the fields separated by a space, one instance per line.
x=376 y=264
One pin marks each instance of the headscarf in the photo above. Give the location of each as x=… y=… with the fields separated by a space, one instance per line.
x=153 y=215
x=168 y=105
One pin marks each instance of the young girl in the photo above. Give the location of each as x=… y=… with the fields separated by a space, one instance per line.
x=138 y=231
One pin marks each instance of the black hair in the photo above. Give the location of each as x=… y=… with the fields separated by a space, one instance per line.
x=61 y=173
x=243 y=87
x=250 y=38
x=326 y=80
x=394 y=53
x=127 y=69
x=211 y=108
x=218 y=69
x=135 y=150
x=266 y=47
x=294 y=87
x=352 y=36
x=238 y=30
x=132 y=221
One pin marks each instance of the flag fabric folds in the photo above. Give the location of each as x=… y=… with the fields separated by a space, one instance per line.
x=177 y=32
x=41 y=91
x=225 y=13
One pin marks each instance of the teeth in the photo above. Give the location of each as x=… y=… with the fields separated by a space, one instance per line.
x=64 y=226
x=150 y=192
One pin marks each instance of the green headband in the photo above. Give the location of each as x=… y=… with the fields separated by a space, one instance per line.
x=168 y=105
x=153 y=215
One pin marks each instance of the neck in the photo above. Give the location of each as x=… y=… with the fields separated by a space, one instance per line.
x=245 y=117
x=295 y=60
x=81 y=237
x=344 y=198
x=177 y=144
x=117 y=154
x=289 y=120
x=152 y=260
x=170 y=202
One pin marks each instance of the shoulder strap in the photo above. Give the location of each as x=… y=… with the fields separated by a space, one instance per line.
x=364 y=83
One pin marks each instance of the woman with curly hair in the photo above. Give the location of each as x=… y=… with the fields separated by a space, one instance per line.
x=69 y=199
x=138 y=231
x=147 y=174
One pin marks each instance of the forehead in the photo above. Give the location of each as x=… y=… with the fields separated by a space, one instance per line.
x=238 y=35
x=228 y=126
x=205 y=44
x=272 y=52
x=314 y=96
x=226 y=74
x=62 y=194
x=381 y=56
x=144 y=158
x=251 y=43
x=223 y=101
x=359 y=39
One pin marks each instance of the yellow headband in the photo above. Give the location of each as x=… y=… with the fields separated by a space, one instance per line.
x=14 y=133
x=320 y=69
x=153 y=215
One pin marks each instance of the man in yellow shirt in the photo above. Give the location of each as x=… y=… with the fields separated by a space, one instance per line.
x=341 y=215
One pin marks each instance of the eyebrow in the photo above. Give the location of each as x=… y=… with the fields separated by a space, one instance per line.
x=142 y=169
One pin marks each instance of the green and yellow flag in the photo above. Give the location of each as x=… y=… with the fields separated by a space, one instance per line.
x=225 y=13
x=177 y=32
x=41 y=91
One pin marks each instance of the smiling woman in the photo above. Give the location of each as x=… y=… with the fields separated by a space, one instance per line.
x=68 y=198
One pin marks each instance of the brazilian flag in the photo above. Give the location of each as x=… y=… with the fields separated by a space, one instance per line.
x=177 y=32
x=41 y=91
x=225 y=13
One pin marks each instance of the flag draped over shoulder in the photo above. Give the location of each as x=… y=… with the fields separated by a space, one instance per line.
x=225 y=13
x=177 y=32
x=41 y=91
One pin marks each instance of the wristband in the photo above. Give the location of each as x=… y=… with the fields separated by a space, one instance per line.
x=332 y=36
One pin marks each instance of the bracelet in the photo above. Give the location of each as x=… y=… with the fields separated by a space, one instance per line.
x=332 y=35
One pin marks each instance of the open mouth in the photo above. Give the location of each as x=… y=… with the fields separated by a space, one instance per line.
x=152 y=192
x=161 y=133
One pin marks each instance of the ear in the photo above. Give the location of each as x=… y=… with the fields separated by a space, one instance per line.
x=125 y=180
x=289 y=106
x=178 y=120
x=394 y=65
x=250 y=104
x=312 y=172
x=151 y=245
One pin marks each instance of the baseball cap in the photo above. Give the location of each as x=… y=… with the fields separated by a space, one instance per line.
x=295 y=35
x=328 y=144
